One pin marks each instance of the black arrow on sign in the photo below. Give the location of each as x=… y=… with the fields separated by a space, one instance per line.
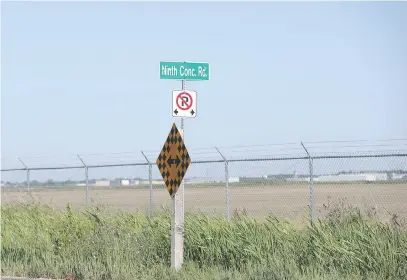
x=192 y=112
x=175 y=161
x=176 y=111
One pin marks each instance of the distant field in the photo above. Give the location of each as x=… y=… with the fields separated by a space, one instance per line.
x=288 y=201
x=262 y=183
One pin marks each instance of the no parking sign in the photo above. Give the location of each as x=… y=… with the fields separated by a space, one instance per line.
x=184 y=103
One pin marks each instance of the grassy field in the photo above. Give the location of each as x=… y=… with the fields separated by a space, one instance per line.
x=94 y=243
x=289 y=201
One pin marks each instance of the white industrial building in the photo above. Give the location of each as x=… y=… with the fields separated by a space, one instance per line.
x=125 y=182
x=128 y=182
x=365 y=177
x=210 y=180
x=234 y=179
x=202 y=180
x=397 y=176
x=300 y=179
x=102 y=183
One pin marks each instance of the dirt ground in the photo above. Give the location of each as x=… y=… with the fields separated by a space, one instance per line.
x=286 y=201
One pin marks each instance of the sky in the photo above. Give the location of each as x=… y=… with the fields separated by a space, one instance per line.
x=83 y=77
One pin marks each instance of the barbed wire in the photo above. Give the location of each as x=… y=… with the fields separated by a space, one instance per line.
x=354 y=141
x=210 y=153
x=150 y=151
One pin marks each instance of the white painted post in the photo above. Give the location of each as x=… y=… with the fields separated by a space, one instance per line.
x=177 y=218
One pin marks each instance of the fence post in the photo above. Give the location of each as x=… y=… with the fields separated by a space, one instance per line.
x=87 y=179
x=227 y=184
x=28 y=174
x=150 y=179
x=311 y=184
x=28 y=179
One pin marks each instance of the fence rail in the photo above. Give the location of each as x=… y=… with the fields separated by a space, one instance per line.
x=260 y=183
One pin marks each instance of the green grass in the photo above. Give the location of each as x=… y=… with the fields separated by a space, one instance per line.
x=40 y=241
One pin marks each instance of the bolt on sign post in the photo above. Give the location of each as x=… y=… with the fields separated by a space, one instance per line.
x=171 y=162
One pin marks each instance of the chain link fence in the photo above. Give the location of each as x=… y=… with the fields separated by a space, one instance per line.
x=293 y=181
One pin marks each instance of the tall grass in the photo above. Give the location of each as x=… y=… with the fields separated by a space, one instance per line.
x=40 y=241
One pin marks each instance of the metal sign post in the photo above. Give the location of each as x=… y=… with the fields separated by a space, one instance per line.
x=311 y=184
x=227 y=185
x=87 y=179
x=150 y=180
x=28 y=174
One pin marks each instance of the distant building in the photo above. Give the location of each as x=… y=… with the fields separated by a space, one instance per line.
x=102 y=183
x=125 y=183
x=234 y=179
x=251 y=179
x=396 y=176
x=129 y=182
x=134 y=182
x=154 y=182
x=300 y=179
x=366 y=177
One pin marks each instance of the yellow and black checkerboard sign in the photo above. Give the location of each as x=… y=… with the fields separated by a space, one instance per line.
x=173 y=160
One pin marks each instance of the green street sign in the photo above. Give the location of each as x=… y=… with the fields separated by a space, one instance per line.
x=184 y=70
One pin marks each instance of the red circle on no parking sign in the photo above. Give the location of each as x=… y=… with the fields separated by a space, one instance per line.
x=184 y=101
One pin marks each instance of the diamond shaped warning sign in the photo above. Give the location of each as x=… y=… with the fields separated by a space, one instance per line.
x=173 y=160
